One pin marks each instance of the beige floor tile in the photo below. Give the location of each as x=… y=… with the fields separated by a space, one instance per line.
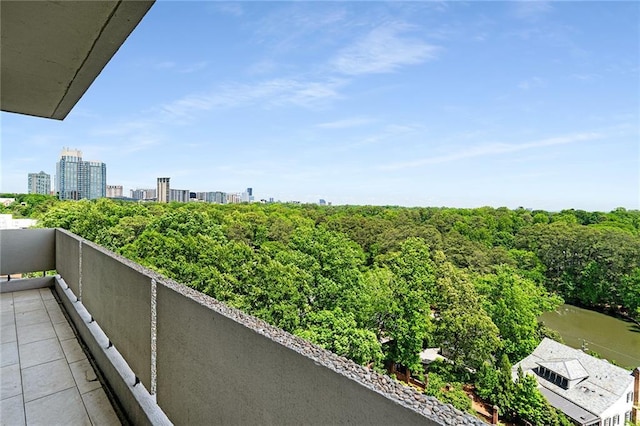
x=46 y=379
x=35 y=332
x=64 y=331
x=85 y=376
x=72 y=350
x=12 y=410
x=7 y=317
x=56 y=316
x=57 y=385
x=10 y=382
x=40 y=352
x=51 y=304
x=46 y=294
x=8 y=333
x=28 y=305
x=61 y=408
x=21 y=296
x=99 y=408
x=32 y=317
x=8 y=353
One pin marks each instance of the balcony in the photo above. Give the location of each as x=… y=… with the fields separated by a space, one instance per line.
x=167 y=354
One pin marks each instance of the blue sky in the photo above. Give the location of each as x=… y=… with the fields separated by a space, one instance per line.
x=530 y=104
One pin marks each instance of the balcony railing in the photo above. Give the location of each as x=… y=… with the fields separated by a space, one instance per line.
x=174 y=355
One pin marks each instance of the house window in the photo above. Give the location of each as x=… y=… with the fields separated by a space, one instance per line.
x=616 y=420
x=627 y=416
x=607 y=421
x=630 y=397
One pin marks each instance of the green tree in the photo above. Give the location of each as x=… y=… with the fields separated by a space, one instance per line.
x=338 y=332
x=411 y=284
x=514 y=304
x=465 y=332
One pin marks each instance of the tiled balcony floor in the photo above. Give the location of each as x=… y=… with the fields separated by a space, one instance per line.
x=45 y=376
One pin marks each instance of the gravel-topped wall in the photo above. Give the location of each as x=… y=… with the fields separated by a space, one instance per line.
x=400 y=402
x=215 y=364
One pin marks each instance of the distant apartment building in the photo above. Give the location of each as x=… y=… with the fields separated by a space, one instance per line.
x=247 y=196
x=207 y=197
x=114 y=191
x=220 y=197
x=233 y=198
x=214 y=197
x=164 y=190
x=143 y=194
x=179 y=195
x=77 y=179
x=39 y=183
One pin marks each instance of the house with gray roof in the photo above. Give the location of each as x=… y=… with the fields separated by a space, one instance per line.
x=590 y=391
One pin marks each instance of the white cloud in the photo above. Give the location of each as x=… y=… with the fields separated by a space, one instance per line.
x=383 y=50
x=262 y=67
x=346 y=123
x=532 y=83
x=294 y=26
x=493 y=149
x=230 y=8
x=531 y=9
x=123 y=128
x=183 y=68
x=164 y=65
x=270 y=93
x=197 y=66
x=135 y=135
x=585 y=77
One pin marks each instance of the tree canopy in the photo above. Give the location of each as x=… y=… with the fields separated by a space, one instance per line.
x=380 y=284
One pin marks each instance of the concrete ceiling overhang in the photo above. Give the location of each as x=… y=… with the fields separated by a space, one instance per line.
x=51 y=51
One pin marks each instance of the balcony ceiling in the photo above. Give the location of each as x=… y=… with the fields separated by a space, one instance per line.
x=51 y=51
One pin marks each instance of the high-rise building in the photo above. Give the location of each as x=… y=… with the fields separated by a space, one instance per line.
x=247 y=196
x=114 y=191
x=39 y=183
x=77 y=179
x=164 y=191
x=220 y=197
x=143 y=194
x=233 y=198
x=179 y=195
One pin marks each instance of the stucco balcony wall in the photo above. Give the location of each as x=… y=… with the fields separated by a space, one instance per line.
x=174 y=355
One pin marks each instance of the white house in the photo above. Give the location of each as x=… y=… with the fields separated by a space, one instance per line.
x=589 y=390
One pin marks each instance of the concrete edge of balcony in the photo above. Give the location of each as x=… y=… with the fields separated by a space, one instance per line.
x=144 y=407
x=22 y=284
x=428 y=407
x=139 y=405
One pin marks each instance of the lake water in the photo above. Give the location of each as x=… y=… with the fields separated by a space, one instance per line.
x=614 y=339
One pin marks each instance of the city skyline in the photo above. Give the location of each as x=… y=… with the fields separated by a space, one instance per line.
x=530 y=104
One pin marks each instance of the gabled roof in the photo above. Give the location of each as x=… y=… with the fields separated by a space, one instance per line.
x=603 y=383
x=568 y=368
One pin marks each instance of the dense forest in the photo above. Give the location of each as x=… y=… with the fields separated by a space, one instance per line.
x=380 y=284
